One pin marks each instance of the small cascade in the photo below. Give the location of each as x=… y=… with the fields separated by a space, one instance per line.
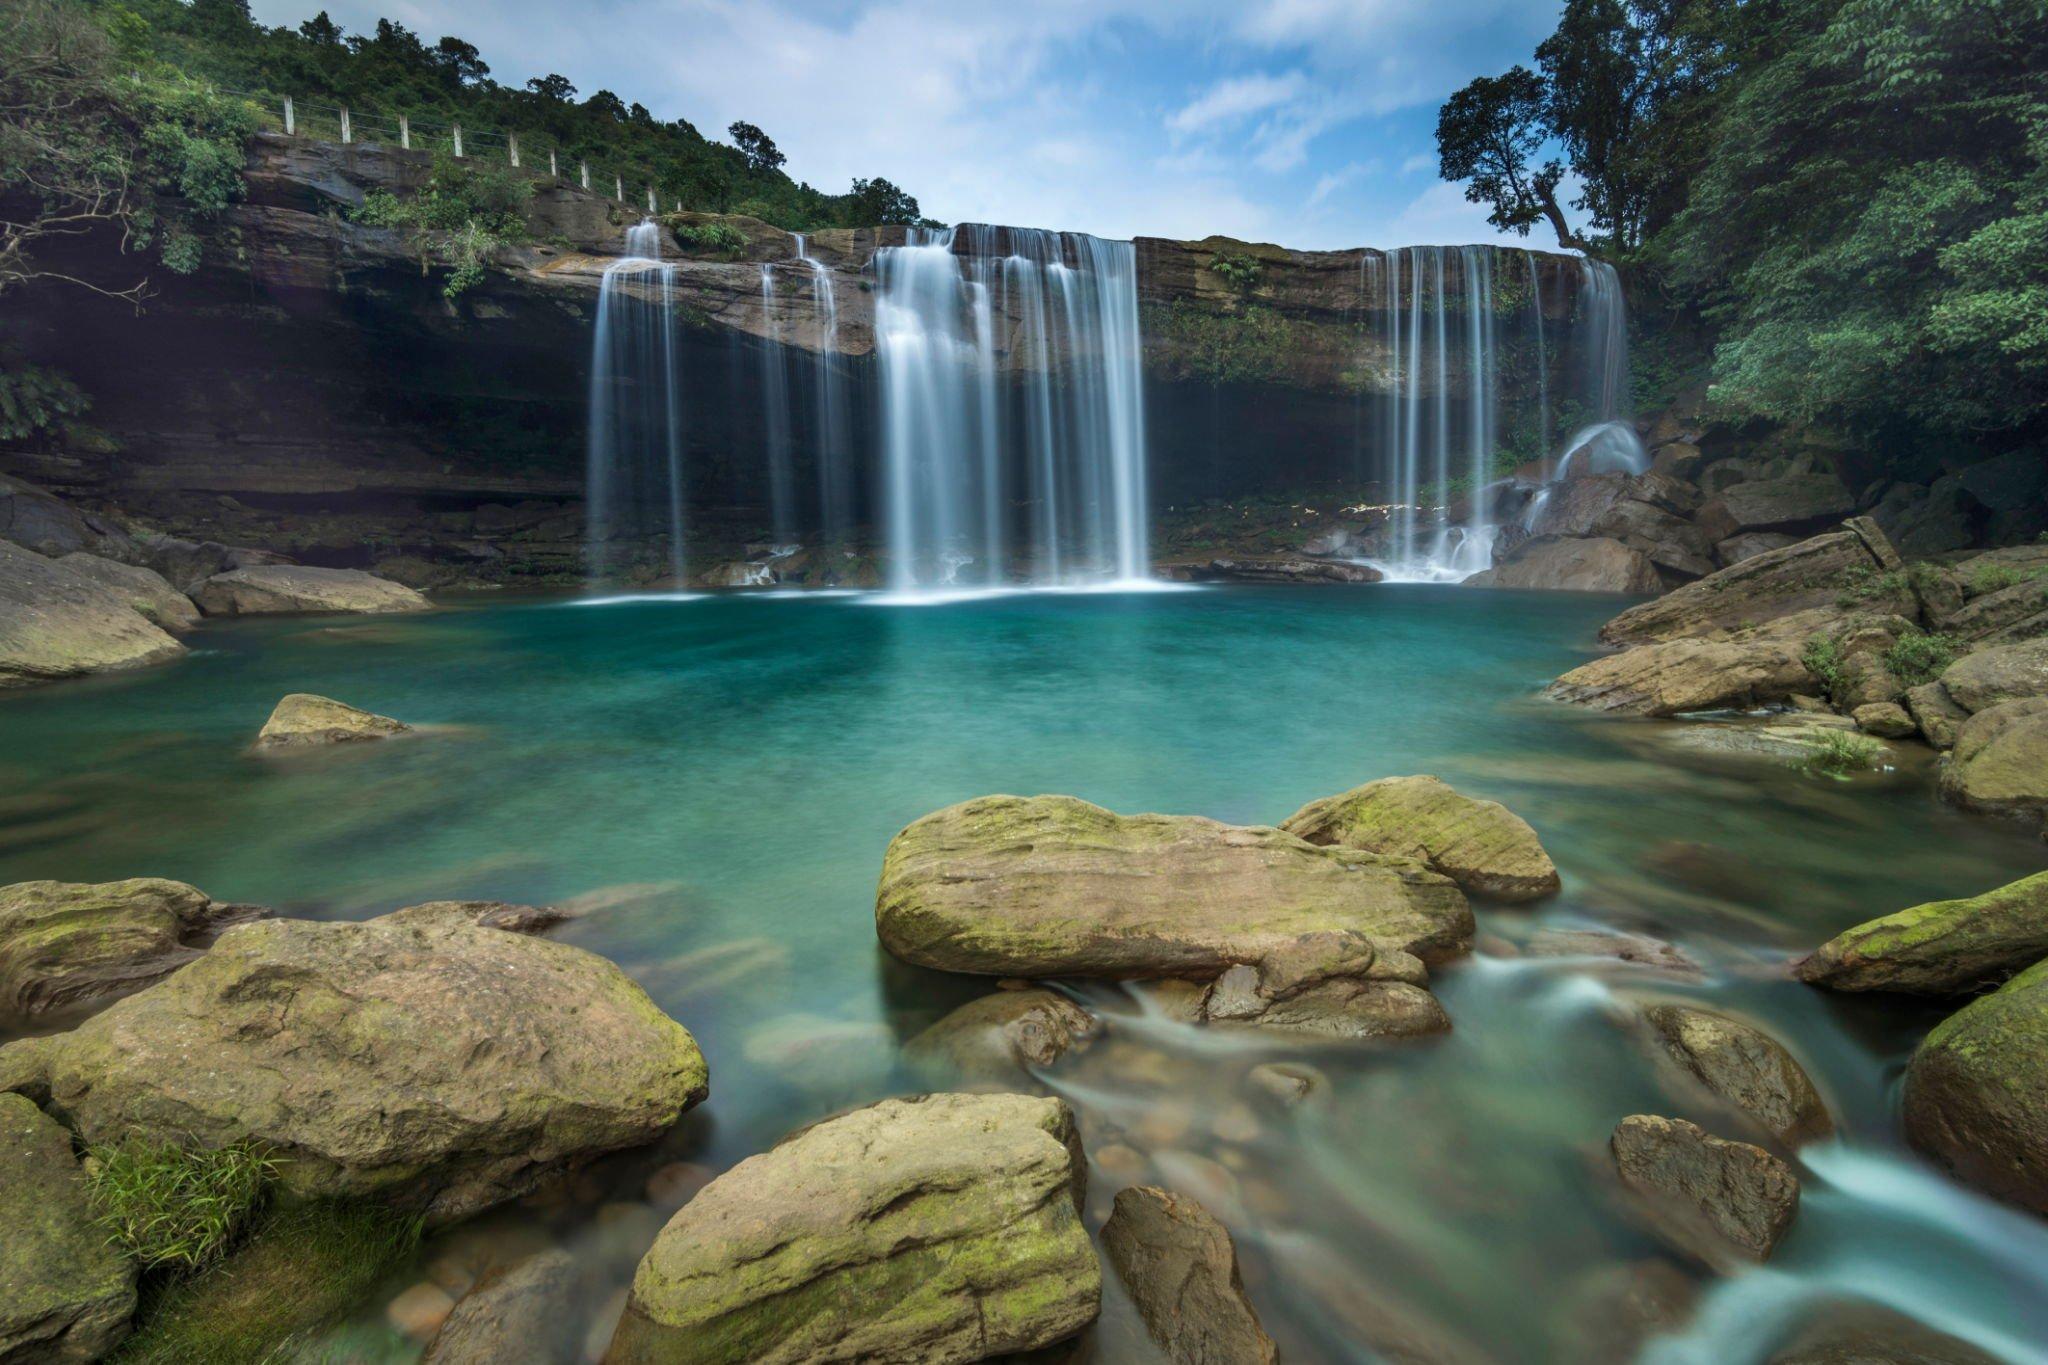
x=833 y=453
x=775 y=415
x=635 y=472
x=1017 y=456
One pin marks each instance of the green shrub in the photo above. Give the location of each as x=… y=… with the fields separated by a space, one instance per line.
x=1823 y=658
x=34 y=399
x=1249 y=346
x=712 y=239
x=1839 y=752
x=1239 y=271
x=168 y=1207
x=1990 y=578
x=1918 y=658
x=460 y=218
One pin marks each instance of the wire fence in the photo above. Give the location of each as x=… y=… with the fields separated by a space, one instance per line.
x=537 y=157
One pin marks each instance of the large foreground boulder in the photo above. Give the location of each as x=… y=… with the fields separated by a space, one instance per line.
x=1180 y=1268
x=57 y=623
x=1744 y=1067
x=1999 y=765
x=271 y=589
x=942 y=1228
x=1941 y=948
x=64 y=944
x=1322 y=939
x=1598 y=564
x=1994 y=676
x=1977 y=1091
x=146 y=590
x=1724 y=1202
x=65 y=1293
x=304 y=721
x=420 y=1058
x=1481 y=845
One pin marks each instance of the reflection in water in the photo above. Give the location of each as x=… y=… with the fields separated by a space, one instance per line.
x=711 y=785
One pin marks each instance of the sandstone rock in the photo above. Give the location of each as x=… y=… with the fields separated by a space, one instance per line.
x=1724 y=1202
x=37 y=520
x=304 y=721
x=1863 y=645
x=1052 y=886
x=56 y=622
x=1791 y=502
x=941 y=1228
x=1935 y=713
x=422 y=1061
x=64 y=944
x=1481 y=845
x=65 y=1293
x=286 y=588
x=1885 y=719
x=1277 y=571
x=1999 y=765
x=1941 y=948
x=1744 y=1066
x=1924 y=520
x=1977 y=1092
x=996 y=1040
x=2019 y=612
x=1645 y=512
x=1988 y=677
x=1675 y=676
x=1801 y=577
x=527 y=1311
x=144 y=589
x=1583 y=565
x=1750 y=544
x=1180 y=1268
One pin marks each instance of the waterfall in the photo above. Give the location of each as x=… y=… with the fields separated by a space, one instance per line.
x=775 y=417
x=635 y=472
x=1017 y=324
x=831 y=456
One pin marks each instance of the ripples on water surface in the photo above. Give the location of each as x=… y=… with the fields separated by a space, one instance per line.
x=715 y=779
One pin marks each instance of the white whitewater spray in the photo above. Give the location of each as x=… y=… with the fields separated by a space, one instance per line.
x=957 y=461
x=832 y=455
x=635 y=471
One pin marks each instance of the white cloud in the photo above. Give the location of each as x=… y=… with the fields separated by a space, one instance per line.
x=1421 y=161
x=1230 y=100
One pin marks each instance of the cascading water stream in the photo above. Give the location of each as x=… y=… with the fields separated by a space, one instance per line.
x=833 y=455
x=775 y=418
x=635 y=469
x=1049 y=413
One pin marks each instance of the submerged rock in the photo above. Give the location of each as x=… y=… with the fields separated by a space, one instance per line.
x=56 y=622
x=1051 y=886
x=1180 y=1268
x=304 y=721
x=271 y=589
x=1999 y=765
x=145 y=590
x=1869 y=1334
x=526 y=1311
x=1745 y=1067
x=418 y=1060
x=1639 y=950
x=66 y=1294
x=1941 y=948
x=64 y=944
x=1596 y=564
x=1724 y=1202
x=941 y=1228
x=1481 y=845
x=994 y=1041
x=1977 y=1092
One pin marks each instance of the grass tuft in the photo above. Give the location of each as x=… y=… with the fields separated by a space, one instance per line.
x=1837 y=753
x=1918 y=658
x=1823 y=658
x=168 y=1208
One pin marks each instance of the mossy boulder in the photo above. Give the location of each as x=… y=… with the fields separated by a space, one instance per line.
x=936 y=1229
x=1977 y=1091
x=146 y=590
x=67 y=944
x=304 y=721
x=1941 y=948
x=57 y=623
x=1725 y=1203
x=1999 y=765
x=1481 y=845
x=1179 y=1266
x=65 y=1293
x=1990 y=677
x=273 y=589
x=1744 y=1067
x=421 y=1059
x=1051 y=886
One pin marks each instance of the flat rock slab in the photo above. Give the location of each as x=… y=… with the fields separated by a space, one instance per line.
x=418 y=1059
x=943 y=1228
x=56 y=622
x=65 y=944
x=1808 y=575
x=1481 y=845
x=1724 y=1202
x=1052 y=886
x=1671 y=677
x=1179 y=1266
x=66 y=1294
x=1941 y=948
x=1744 y=1067
x=1977 y=1092
x=272 y=589
x=304 y=721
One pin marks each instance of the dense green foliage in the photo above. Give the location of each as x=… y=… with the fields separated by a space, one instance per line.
x=464 y=213
x=166 y=1207
x=1249 y=345
x=35 y=400
x=392 y=71
x=1850 y=195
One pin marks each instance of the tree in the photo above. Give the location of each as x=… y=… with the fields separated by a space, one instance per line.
x=461 y=61
x=606 y=105
x=553 y=88
x=1488 y=135
x=759 y=149
x=321 y=31
x=873 y=202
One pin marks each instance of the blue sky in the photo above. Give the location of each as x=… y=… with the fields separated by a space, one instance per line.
x=1305 y=122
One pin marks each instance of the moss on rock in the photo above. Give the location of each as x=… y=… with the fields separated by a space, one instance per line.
x=1941 y=948
x=1481 y=845
x=1977 y=1092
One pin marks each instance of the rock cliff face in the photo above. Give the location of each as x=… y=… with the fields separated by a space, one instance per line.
x=311 y=390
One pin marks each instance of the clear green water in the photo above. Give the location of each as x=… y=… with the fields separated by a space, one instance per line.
x=715 y=781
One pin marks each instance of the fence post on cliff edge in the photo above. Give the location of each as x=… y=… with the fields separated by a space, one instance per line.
x=344 y=127
x=553 y=174
x=652 y=207
x=512 y=146
x=405 y=132
x=291 y=126
x=584 y=168
x=619 y=188
x=458 y=139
